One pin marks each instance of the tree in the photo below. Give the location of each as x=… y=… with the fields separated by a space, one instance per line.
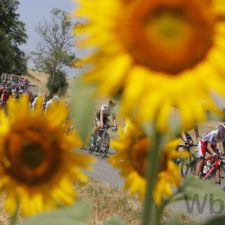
x=60 y=83
x=12 y=35
x=54 y=53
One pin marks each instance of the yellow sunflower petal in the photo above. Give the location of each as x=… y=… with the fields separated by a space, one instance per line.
x=160 y=71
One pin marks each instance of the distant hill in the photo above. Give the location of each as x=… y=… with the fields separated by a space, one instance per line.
x=40 y=79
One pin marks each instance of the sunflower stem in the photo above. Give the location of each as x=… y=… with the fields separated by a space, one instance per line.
x=14 y=216
x=158 y=216
x=153 y=158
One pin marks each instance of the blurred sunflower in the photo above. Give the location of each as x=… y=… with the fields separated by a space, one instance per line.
x=38 y=162
x=131 y=159
x=159 y=54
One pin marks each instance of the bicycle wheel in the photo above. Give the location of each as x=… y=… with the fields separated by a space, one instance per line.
x=181 y=148
x=188 y=165
x=104 y=145
x=91 y=147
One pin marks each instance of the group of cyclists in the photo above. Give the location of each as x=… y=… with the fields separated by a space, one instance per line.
x=48 y=100
x=14 y=88
x=209 y=144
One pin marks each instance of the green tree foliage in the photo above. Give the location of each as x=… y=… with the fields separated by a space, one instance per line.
x=54 y=53
x=12 y=35
x=57 y=82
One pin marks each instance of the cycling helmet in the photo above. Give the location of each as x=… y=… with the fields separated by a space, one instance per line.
x=221 y=128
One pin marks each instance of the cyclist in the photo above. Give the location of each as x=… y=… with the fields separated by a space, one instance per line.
x=187 y=139
x=210 y=143
x=223 y=145
x=102 y=116
x=55 y=98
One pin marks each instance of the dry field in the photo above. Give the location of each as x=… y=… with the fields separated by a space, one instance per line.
x=39 y=79
x=108 y=201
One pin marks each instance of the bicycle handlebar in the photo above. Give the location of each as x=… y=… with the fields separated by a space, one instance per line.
x=186 y=146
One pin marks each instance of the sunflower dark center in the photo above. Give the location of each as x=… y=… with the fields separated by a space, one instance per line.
x=138 y=157
x=32 y=163
x=32 y=155
x=168 y=36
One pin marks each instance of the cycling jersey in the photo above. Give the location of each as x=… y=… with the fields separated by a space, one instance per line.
x=107 y=111
x=210 y=137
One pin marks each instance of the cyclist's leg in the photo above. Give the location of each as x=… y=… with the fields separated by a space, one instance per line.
x=218 y=175
x=199 y=166
x=97 y=127
x=217 y=165
x=201 y=155
x=105 y=122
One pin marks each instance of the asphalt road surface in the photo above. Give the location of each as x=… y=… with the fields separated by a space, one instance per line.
x=198 y=211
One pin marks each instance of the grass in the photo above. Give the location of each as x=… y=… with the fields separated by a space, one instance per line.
x=109 y=201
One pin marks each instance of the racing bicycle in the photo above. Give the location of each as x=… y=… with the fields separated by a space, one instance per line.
x=209 y=169
x=187 y=165
x=212 y=168
x=101 y=143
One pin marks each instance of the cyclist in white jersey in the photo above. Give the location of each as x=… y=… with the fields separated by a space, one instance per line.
x=102 y=116
x=209 y=143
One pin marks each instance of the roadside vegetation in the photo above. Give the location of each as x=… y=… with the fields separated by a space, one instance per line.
x=108 y=201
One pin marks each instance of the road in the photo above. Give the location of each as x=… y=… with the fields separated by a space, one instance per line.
x=103 y=171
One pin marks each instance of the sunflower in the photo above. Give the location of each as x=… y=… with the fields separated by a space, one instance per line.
x=38 y=162
x=159 y=55
x=131 y=159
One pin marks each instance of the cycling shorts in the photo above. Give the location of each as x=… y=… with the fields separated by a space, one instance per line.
x=105 y=120
x=202 y=146
x=202 y=149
